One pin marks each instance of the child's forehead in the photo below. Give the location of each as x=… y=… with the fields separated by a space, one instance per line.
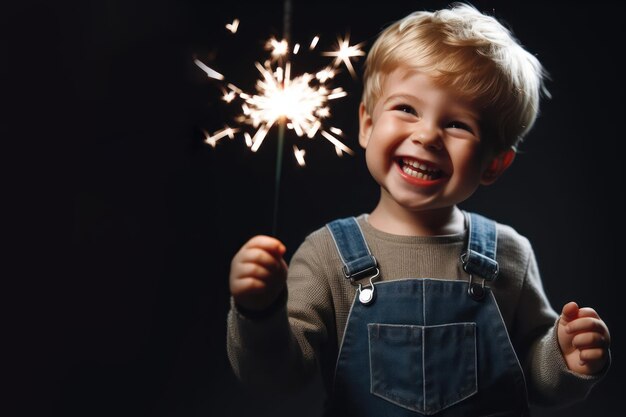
x=415 y=81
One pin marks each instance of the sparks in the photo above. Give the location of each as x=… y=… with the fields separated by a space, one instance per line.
x=299 y=154
x=277 y=48
x=300 y=101
x=325 y=74
x=338 y=144
x=209 y=71
x=229 y=96
x=232 y=27
x=248 y=138
x=345 y=52
x=212 y=139
x=314 y=42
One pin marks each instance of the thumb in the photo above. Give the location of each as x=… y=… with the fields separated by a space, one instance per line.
x=569 y=312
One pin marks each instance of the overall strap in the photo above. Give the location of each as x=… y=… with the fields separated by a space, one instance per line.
x=358 y=261
x=480 y=256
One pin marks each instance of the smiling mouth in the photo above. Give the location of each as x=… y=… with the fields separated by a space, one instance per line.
x=419 y=170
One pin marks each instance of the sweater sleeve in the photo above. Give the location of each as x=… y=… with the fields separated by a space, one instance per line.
x=549 y=380
x=278 y=355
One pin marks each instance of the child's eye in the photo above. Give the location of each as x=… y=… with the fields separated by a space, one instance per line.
x=405 y=108
x=460 y=125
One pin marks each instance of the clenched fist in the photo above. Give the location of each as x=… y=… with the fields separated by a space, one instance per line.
x=258 y=273
x=584 y=339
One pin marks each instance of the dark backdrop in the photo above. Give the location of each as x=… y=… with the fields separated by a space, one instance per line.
x=126 y=221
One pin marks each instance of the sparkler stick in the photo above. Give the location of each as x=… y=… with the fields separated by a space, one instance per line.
x=281 y=124
x=279 y=165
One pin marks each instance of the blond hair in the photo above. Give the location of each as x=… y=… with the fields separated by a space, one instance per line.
x=472 y=53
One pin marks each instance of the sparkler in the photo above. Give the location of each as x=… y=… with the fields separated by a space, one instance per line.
x=299 y=103
x=344 y=52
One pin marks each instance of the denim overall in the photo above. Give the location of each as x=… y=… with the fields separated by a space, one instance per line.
x=420 y=346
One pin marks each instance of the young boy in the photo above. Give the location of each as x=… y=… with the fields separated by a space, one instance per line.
x=420 y=308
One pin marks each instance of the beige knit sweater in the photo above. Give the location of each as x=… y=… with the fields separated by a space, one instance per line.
x=279 y=354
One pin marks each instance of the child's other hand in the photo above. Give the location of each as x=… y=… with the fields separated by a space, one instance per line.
x=258 y=273
x=584 y=339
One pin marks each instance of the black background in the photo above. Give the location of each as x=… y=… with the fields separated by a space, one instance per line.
x=125 y=221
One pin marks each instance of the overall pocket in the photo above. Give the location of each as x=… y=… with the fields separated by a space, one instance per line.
x=423 y=368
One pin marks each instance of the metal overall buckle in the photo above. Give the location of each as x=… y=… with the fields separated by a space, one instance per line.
x=474 y=289
x=366 y=292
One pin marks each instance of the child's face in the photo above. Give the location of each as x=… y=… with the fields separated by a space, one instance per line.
x=422 y=143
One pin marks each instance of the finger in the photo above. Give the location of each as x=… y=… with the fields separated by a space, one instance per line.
x=589 y=340
x=261 y=257
x=283 y=265
x=569 y=312
x=587 y=324
x=267 y=243
x=595 y=354
x=588 y=312
x=248 y=286
x=252 y=270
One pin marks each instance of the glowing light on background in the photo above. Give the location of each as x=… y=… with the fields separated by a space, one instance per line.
x=212 y=139
x=209 y=71
x=345 y=52
x=232 y=27
x=301 y=101
x=299 y=153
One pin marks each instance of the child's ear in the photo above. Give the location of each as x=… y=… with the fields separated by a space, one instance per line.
x=365 y=125
x=497 y=166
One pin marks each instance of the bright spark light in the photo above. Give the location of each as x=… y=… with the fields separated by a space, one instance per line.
x=248 y=138
x=209 y=71
x=345 y=52
x=229 y=96
x=232 y=27
x=212 y=139
x=279 y=97
x=277 y=48
x=314 y=42
x=299 y=153
x=325 y=74
x=301 y=102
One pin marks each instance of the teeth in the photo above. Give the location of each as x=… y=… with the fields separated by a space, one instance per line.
x=426 y=170
x=417 y=174
x=413 y=163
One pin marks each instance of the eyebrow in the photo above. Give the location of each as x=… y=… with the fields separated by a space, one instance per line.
x=466 y=112
x=402 y=97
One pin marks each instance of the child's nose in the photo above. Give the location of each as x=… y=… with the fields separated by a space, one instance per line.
x=429 y=139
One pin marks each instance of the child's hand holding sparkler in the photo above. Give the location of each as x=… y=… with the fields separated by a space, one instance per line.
x=258 y=274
